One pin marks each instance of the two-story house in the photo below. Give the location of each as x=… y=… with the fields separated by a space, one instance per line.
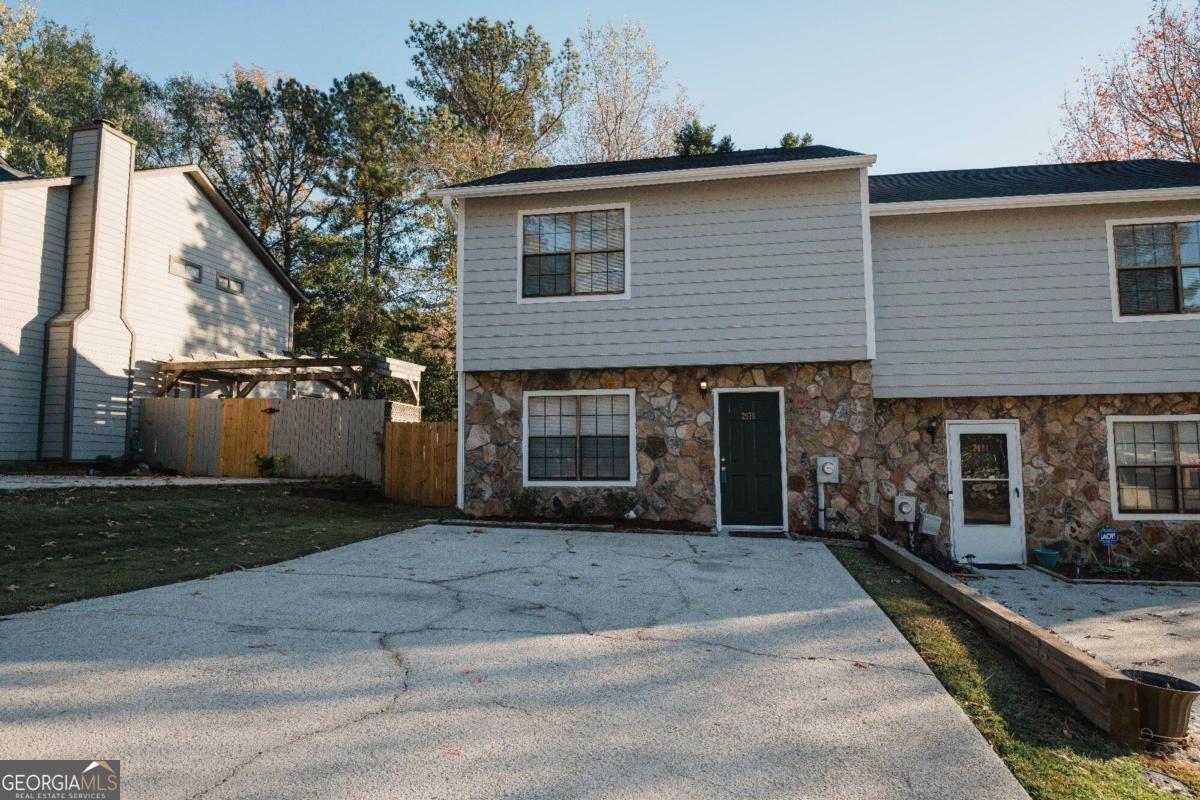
x=1019 y=348
x=105 y=272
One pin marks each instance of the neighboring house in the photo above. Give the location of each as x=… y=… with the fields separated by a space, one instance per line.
x=106 y=271
x=1017 y=347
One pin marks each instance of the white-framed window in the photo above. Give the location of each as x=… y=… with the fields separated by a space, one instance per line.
x=1154 y=467
x=228 y=283
x=573 y=253
x=184 y=268
x=1154 y=267
x=580 y=437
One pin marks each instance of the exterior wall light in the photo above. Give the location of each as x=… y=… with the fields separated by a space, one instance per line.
x=703 y=386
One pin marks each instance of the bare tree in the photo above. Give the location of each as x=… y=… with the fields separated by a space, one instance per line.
x=1143 y=102
x=626 y=111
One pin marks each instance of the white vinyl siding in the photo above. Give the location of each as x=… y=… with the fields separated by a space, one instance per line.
x=172 y=219
x=1017 y=302
x=720 y=272
x=33 y=228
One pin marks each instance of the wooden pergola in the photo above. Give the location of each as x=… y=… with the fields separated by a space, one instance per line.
x=345 y=374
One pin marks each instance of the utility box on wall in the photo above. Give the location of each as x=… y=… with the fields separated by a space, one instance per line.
x=827 y=469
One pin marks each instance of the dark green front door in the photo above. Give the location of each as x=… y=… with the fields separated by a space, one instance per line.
x=750 y=471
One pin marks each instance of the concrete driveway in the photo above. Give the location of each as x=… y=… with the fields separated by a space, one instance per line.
x=449 y=663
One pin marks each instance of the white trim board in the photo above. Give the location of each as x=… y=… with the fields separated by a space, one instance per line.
x=1111 y=245
x=565 y=484
x=570 y=298
x=1033 y=201
x=868 y=264
x=793 y=167
x=783 y=473
x=1114 y=499
x=459 y=219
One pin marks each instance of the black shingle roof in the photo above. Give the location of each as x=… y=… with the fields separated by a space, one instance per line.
x=765 y=155
x=1094 y=176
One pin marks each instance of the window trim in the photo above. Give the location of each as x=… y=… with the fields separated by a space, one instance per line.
x=1114 y=497
x=568 y=298
x=1112 y=269
x=184 y=263
x=241 y=290
x=559 y=482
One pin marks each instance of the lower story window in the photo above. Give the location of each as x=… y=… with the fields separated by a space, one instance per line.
x=1157 y=463
x=583 y=437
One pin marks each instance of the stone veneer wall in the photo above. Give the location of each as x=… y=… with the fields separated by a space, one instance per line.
x=1064 y=449
x=828 y=409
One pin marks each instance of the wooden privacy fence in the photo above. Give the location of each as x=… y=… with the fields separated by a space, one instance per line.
x=420 y=463
x=414 y=462
x=318 y=438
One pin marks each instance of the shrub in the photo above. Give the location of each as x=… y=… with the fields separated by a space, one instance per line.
x=524 y=503
x=618 y=504
x=271 y=466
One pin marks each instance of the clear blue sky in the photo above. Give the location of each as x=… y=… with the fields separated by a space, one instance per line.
x=925 y=85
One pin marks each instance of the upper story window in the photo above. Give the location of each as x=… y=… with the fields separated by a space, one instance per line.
x=230 y=284
x=1156 y=463
x=186 y=269
x=1158 y=267
x=574 y=252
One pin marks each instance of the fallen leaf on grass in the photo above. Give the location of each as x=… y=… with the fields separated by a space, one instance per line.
x=12 y=587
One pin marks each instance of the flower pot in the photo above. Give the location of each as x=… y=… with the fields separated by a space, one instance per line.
x=1165 y=704
x=1046 y=557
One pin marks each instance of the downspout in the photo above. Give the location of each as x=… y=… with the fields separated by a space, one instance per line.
x=124 y=295
x=460 y=455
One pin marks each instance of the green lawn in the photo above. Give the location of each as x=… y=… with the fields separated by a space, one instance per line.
x=1051 y=750
x=57 y=546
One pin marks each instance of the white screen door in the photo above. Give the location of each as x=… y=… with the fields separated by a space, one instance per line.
x=987 y=511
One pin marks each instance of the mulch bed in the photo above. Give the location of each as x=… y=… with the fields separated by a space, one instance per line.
x=678 y=526
x=1145 y=572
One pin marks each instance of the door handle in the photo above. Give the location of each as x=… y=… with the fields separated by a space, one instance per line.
x=1017 y=489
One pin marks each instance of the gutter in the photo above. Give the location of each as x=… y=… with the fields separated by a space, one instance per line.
x=1034 y=201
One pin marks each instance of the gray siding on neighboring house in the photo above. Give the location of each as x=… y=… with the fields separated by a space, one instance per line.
x=721 y=272
x=1017 y=302
x=33 y=226
x=172 y=316
x=100 y=366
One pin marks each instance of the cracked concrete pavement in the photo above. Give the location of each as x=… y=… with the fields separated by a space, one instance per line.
x=445 y=662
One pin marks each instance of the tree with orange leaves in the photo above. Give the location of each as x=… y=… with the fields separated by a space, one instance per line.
x=1143 y=102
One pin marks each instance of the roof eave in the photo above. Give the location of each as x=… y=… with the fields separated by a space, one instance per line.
x=1034 y=201
x=659 y=177
x=32 y=183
